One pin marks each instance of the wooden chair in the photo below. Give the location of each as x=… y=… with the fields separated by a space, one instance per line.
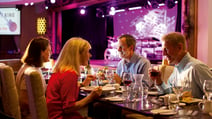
x=36 y=95
x=9 y=94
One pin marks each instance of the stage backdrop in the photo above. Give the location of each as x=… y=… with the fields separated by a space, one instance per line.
x=144 y=22
x=89 y=27
x=148 y=26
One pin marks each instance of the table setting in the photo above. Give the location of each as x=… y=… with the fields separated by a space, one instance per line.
x=135 y=96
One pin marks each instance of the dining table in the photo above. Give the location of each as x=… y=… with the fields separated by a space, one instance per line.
x=152 y=106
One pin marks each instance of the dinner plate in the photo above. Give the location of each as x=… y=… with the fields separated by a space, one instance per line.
x=153 y=93
x=163 y=112
x=115 y=98
x=104 y=88
x=118 y=91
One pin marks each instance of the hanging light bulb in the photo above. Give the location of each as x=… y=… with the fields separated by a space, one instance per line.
x=52 y=1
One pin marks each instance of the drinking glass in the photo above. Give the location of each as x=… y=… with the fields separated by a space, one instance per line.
x=127 y=80
x=110 y=76
x=138 y=86
x=154 y=73
x=207 y=88
x=181 y=86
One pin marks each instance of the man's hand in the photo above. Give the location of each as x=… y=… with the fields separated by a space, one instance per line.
x=155 y=75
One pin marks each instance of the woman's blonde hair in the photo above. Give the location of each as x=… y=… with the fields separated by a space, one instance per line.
x=69 y=57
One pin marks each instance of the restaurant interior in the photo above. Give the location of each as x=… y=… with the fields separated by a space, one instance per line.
x=62 y=20
x=101 y=22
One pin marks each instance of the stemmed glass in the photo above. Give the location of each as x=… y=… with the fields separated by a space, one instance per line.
x=207 y=88
x=127 y=80
x=181 y=86
x=178 y=90
x=154 y=73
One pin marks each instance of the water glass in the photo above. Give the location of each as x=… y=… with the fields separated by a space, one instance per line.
x=145 y=92
x=207 y=88
x=124 y=93
x=178 y=88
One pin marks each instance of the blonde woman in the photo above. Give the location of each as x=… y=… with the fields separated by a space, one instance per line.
x=63 y=88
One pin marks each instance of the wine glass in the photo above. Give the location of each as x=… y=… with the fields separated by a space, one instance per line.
x=207 y=88
x=177 y=88
x=154 y=73
x=127 y=80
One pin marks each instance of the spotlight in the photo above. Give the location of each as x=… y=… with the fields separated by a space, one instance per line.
x=82 y=11
x=52 y=1
x=46 y=7
x=112 y=11
x=26 y=4
x=31 y=3
x=170 y=3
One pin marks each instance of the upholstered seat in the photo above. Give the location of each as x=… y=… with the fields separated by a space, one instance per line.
x=36 y=95
x=9 y=94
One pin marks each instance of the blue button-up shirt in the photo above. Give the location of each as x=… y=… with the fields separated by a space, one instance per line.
x=137 y=65
x=192 y=70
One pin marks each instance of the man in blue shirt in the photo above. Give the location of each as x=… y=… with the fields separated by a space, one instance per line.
x=130 y=62
x=186 y=68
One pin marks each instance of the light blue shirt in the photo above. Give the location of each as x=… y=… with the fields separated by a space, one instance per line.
x=192 y=70
x=137 y=65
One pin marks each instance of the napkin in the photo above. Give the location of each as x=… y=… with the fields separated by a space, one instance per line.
x=171 y=96
x=163 y=111
x=114 y=98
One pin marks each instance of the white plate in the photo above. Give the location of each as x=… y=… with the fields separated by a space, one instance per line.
x=118 y=91
x=153 y=93
x=116 y=98
x=104 y=88
x=163 y=112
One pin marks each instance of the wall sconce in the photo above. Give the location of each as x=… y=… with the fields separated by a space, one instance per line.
x=41 y=25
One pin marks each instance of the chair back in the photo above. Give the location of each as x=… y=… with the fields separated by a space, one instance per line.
x=36 y=95
x=9 y=94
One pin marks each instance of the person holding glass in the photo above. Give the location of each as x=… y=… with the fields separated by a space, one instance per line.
x=188 y=71
x=130 y=62
x=63 y=87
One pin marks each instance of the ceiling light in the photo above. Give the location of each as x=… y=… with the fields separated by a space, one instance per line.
x=26 y=4
x=52 y=1
x=82 y=11
x=135 y=8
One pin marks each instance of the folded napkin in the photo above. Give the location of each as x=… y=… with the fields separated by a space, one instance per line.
x=163 y=111
x=171 y=96
x=114 y=98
